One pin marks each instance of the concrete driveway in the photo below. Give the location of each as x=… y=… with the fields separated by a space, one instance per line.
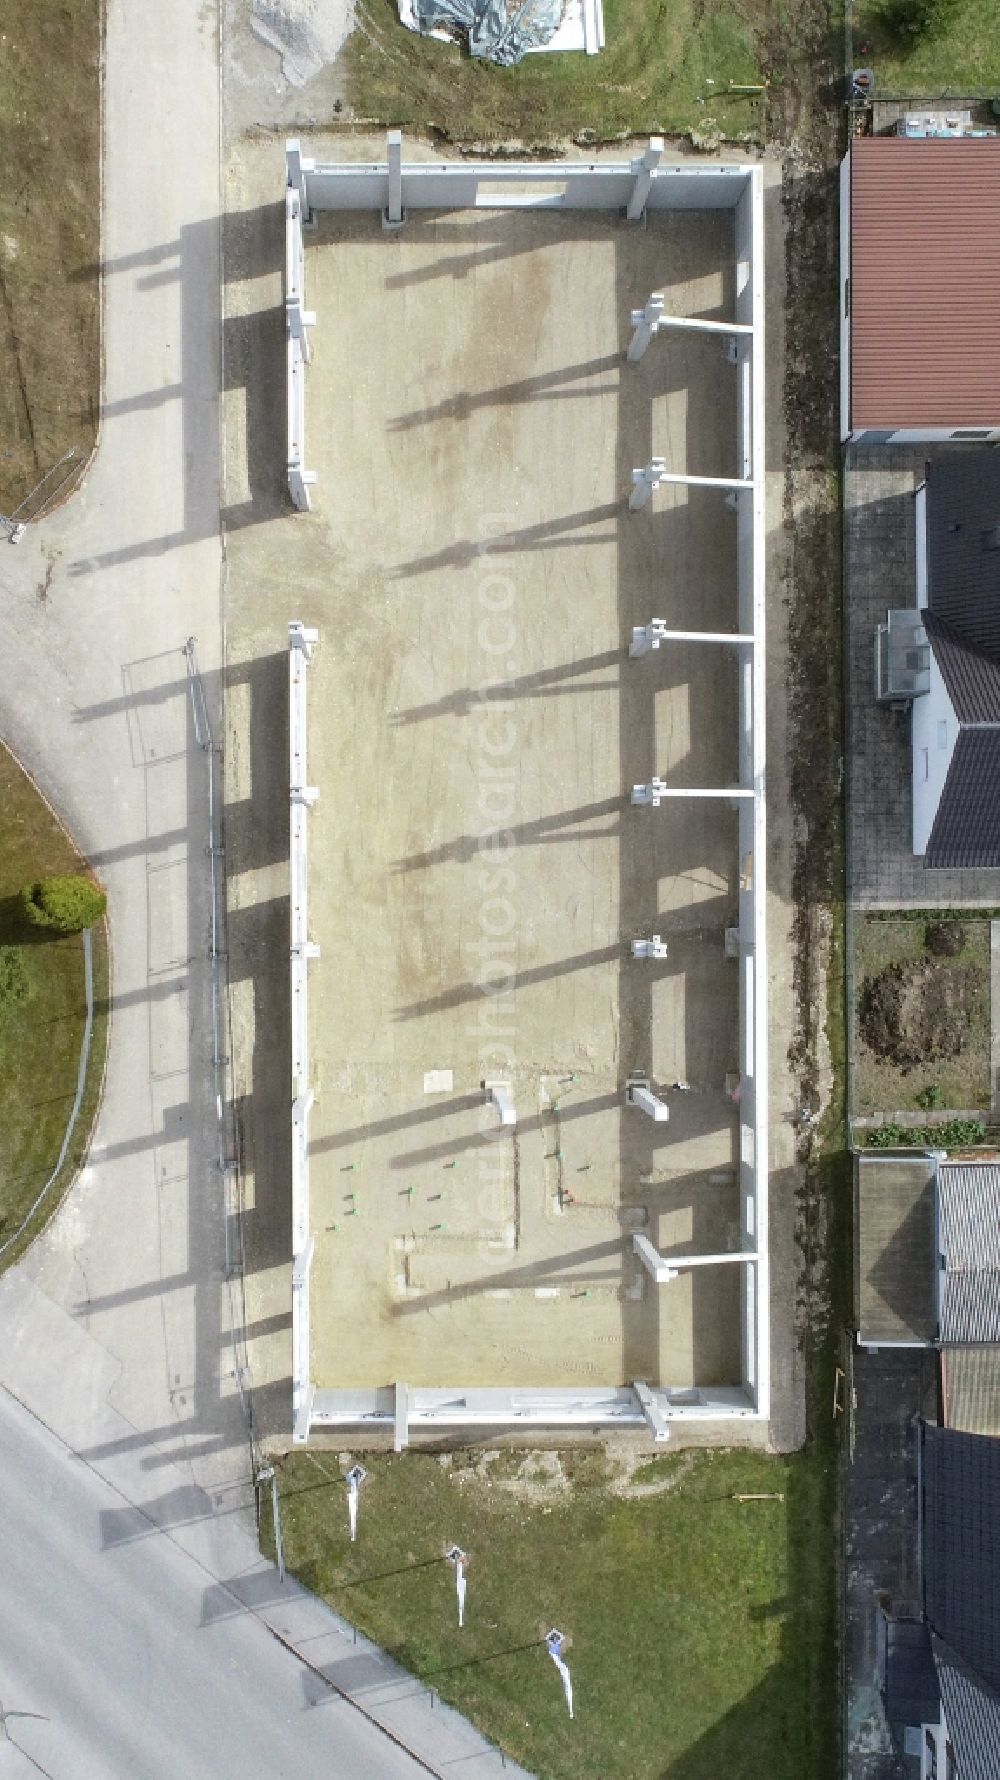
x=140 y=1621
x=121 y=1302
x=121 y=1656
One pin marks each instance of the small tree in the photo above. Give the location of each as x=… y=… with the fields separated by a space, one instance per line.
x=63 y=905
x=15 y=983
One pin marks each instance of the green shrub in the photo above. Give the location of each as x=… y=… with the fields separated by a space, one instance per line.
x=929 y=1097
x=63 y=905
x=954 y=1134
x=15 y=983
x=888 y=1137
x=906 y=22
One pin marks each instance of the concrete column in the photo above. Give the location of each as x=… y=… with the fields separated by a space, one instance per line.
x=393 y=217
x=651 y=793
x=647 y=636
x=644 y=170
x=651 y=1410
x=644 y=482
x=305 y=794
x=298 y=322
x=645 y=322
x=301 y=636
x=298 y=171
x=638 y=1093
x=299 y=483
x=649 y=948
x=308 y=951
x=401 y=1419
x=499 y=1094
x=301 y=1265
x=303 y=1416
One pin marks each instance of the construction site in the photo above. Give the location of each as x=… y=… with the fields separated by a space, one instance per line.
x=528 y=968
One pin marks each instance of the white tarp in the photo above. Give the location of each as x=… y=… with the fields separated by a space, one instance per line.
x=493 y=32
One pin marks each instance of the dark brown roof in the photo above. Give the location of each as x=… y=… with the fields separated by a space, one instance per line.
x=925 y=277
x=966 y=830
x=963 y=543
x=972 y=678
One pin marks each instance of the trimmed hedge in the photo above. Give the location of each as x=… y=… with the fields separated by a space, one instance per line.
x=954 y=1134
x=63 y=905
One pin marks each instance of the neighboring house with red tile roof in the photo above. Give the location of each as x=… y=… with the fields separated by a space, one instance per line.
x=920 y=290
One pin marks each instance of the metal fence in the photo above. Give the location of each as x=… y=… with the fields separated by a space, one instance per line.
x=227 y=1157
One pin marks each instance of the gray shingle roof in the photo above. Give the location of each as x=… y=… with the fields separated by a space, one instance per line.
x=966 y=830
x=971 y=677
x=969 y=1214
x=963 y=627
x=972 y=1714
x=963 y=561
x=961 y=1545
x=908 y=1675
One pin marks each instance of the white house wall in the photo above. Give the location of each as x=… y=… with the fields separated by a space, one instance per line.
x=935 y=730
x=920 y=543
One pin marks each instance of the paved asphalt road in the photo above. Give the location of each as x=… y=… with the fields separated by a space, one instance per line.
x=117 y=1661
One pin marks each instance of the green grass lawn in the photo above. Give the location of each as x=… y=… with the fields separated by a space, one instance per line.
x=50 y=136
x=961 y=1080
x=659 y=60
x=957 y=55
x=702 y=1628
x=40 y=1043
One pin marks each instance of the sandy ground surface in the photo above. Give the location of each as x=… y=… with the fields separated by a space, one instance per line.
x=456 y=691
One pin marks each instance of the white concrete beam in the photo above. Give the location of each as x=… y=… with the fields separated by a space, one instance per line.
x=653 y=1262
x=646 y=637
x=654 y=792
x=692 y=325
x=685 y=481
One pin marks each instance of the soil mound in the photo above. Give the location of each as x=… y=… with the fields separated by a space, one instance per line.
x=918 y=1012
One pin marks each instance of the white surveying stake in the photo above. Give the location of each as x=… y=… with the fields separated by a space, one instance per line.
x=554 y=1644
x=354 y=1479
x=455 y=1555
